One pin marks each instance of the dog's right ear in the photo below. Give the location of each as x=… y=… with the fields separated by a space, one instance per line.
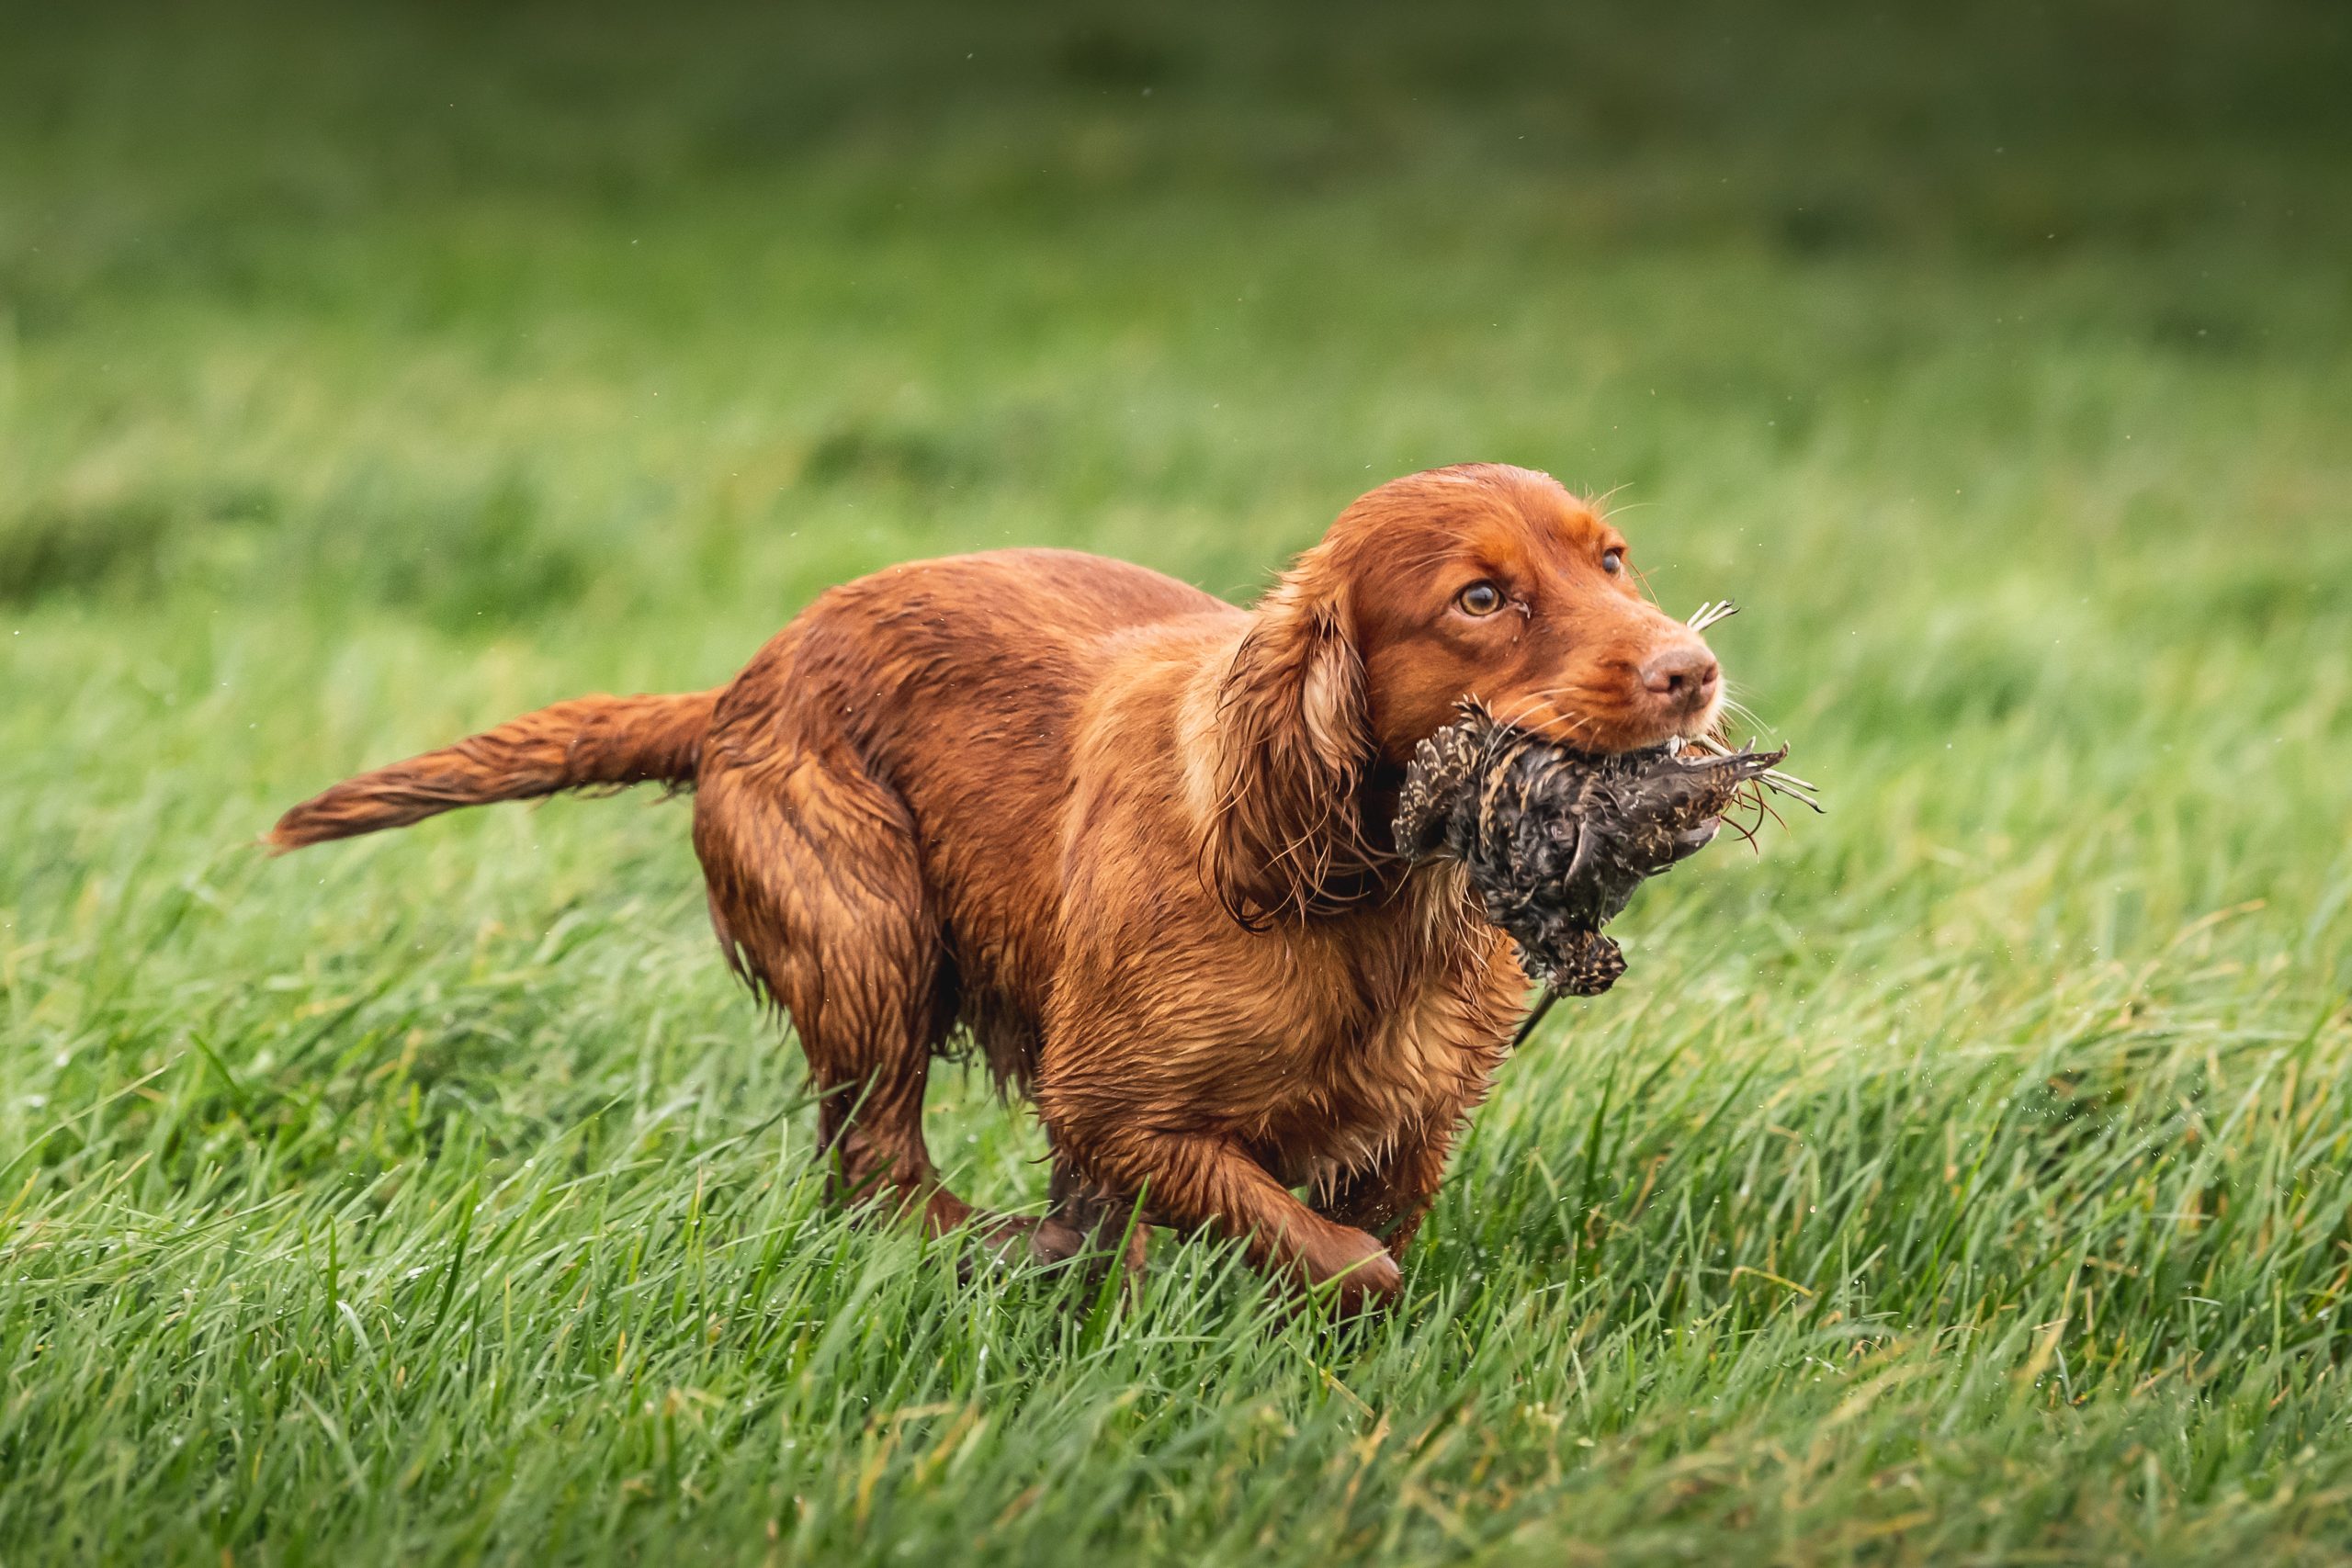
x=1285 y=838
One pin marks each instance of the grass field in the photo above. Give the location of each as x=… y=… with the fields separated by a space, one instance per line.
x=1967 y=1176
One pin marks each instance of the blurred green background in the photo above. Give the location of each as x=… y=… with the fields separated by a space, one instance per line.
x=370 y=374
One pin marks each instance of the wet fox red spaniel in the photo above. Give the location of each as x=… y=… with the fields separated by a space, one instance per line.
x=1134 y=840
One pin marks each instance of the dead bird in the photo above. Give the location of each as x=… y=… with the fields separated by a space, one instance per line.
x=1557 y=840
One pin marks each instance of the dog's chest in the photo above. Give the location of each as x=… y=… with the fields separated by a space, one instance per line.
x=1406 y=1041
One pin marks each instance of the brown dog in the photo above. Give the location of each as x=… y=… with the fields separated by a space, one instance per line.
x=1134 y=840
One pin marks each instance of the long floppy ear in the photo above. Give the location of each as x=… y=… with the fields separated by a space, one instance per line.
x=1293 y=738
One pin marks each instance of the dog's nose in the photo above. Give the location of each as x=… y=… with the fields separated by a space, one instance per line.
x=1683 y=677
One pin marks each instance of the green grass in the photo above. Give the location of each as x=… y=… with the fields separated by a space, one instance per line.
x=1967 y=1176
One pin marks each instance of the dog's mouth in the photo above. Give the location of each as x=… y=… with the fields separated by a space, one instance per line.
x=1620 y=734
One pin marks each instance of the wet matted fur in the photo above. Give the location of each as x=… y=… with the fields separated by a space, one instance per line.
x=1136 y=840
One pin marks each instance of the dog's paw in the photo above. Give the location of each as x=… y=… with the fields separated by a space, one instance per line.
x=1352 y=1268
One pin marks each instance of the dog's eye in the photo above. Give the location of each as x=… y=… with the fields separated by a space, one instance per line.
x=1481 y=599
x=1613 y=562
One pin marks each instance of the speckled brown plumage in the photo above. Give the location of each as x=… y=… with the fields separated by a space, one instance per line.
x=1557 y=840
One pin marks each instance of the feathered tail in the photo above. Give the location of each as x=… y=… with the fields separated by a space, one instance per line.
x=575 y=744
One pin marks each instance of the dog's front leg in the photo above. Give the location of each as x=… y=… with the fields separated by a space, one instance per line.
x=1206 y=1182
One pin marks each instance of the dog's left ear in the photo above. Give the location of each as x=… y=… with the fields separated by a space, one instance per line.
x=1293 y=740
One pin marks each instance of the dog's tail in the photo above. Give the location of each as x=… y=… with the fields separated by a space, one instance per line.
x=575 y=744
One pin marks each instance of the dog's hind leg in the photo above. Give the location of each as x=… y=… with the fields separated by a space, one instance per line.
x=818 y=896
x=1392 y=1197
x=1092 y=1219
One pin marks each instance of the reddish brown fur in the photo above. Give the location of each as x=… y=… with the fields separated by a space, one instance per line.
x=1133 y=839
x=588 y=741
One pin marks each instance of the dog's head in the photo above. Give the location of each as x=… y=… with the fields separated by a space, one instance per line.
x=1482 y=582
